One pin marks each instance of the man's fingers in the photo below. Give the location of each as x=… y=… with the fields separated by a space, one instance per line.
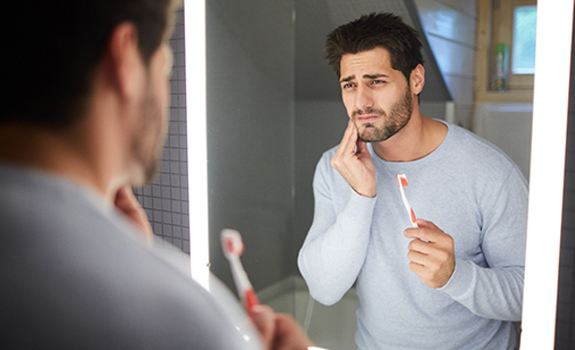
x=264 y=319
x=357 y=169
x=126 y=203
x=422 y=234
x=289 y=335
x=417 y=268
x=431 y=253
x=427 y=224
x=362 y=148
x=420 y=246
x=349 y=146
x=418 y=258
x=428 y=232
x=344 y=140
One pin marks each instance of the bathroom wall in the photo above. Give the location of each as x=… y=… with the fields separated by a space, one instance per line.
x=250 y=84
x=250 y=138
x=166 y=199
x=508 y=126
x=450 y=26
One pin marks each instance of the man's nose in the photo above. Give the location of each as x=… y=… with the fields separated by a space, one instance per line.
x=363 y=99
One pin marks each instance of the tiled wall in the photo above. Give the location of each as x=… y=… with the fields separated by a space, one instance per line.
x=166 y=200
x=450 y=27
x=564 y=335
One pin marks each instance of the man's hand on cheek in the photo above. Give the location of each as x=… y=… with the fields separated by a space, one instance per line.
x=353 y=161
x=125 y=201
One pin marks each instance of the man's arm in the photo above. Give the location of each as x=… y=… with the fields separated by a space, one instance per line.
x=496 y=291
x=335 y=247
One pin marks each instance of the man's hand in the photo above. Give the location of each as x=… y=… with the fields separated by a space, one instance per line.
x=431 y=253
x=127 y=204
x=278 y=331
x=353 y=161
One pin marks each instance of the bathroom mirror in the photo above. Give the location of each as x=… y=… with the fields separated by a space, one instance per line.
x=273 y=107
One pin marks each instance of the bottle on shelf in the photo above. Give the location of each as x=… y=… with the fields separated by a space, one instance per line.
x=501 y=67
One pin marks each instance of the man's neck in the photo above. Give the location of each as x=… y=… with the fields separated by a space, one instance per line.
x=417 y=139
x=57 y=152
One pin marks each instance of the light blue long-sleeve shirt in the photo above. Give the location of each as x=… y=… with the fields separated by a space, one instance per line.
x=474 y=193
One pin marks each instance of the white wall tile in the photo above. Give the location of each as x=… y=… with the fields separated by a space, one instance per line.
x=446 y=21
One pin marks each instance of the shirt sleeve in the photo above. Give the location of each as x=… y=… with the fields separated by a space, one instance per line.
x=496 y=291
x=335 y=247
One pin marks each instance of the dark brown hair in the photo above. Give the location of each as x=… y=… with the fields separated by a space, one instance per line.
x=51 y=48
x=376 y=30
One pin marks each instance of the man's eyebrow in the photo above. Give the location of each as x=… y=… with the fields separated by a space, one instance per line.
x=375 y=76
x=346 y=79
x=365 y=76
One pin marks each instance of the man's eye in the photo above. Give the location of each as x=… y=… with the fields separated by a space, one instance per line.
x=377 y=82
x=347 y=86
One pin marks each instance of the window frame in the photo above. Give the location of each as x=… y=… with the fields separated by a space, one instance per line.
x=517 y=81
x=495 y=25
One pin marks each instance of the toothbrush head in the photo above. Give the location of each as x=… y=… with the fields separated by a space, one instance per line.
x=402 y=180
x=232 y=244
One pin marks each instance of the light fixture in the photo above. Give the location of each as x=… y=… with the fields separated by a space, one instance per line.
x=550 y=105
x=195 y=53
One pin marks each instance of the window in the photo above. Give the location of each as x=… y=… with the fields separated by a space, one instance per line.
x=513 y=27
x=505 y=50
x=523 y=48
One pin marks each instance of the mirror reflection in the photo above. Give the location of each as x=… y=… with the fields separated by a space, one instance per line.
x=275 y=106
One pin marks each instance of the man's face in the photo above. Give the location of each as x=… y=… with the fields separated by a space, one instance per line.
x=377 y=97
x=149 y=139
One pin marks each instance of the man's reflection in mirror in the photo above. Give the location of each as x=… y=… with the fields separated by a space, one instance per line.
x=452 y=278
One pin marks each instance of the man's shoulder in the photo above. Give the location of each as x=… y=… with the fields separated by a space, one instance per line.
x=323 y=165
x=329 y=153
x=472 y=150
x=64 y=258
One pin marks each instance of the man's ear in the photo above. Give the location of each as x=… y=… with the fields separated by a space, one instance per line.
x=126 y=65
x=417 y=79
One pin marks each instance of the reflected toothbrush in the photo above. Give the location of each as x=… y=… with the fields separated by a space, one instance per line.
x=402 y=180
x=233 y=248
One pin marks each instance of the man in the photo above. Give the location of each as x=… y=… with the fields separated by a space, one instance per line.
x=83 y=117
x=453 y=282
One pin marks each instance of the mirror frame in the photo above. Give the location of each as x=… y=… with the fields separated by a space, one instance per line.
x=552 y=69
x=196 y=134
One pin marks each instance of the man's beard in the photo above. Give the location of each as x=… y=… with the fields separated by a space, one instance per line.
x=148 y=142
x=398 y=118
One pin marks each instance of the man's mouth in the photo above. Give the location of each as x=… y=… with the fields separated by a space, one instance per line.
x=367 y=118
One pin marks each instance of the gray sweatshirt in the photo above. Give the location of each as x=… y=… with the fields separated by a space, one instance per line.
x=75 y=276
x=474 y=193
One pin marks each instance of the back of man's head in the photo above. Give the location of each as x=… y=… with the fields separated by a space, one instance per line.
x=376 y=30
x=51 y=49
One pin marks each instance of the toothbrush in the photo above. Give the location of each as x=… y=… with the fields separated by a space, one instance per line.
x=233 y=248
x=402 y=180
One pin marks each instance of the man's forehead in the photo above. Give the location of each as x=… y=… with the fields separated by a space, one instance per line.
x=374 y=61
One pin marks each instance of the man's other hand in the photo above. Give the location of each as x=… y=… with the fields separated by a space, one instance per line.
x=431 y=253
x=278 y=331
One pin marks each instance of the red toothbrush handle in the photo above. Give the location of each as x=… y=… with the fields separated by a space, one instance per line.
x=250 y=299
x=412 y=215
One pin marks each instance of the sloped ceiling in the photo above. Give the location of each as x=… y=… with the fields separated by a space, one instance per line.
x=316 y=18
